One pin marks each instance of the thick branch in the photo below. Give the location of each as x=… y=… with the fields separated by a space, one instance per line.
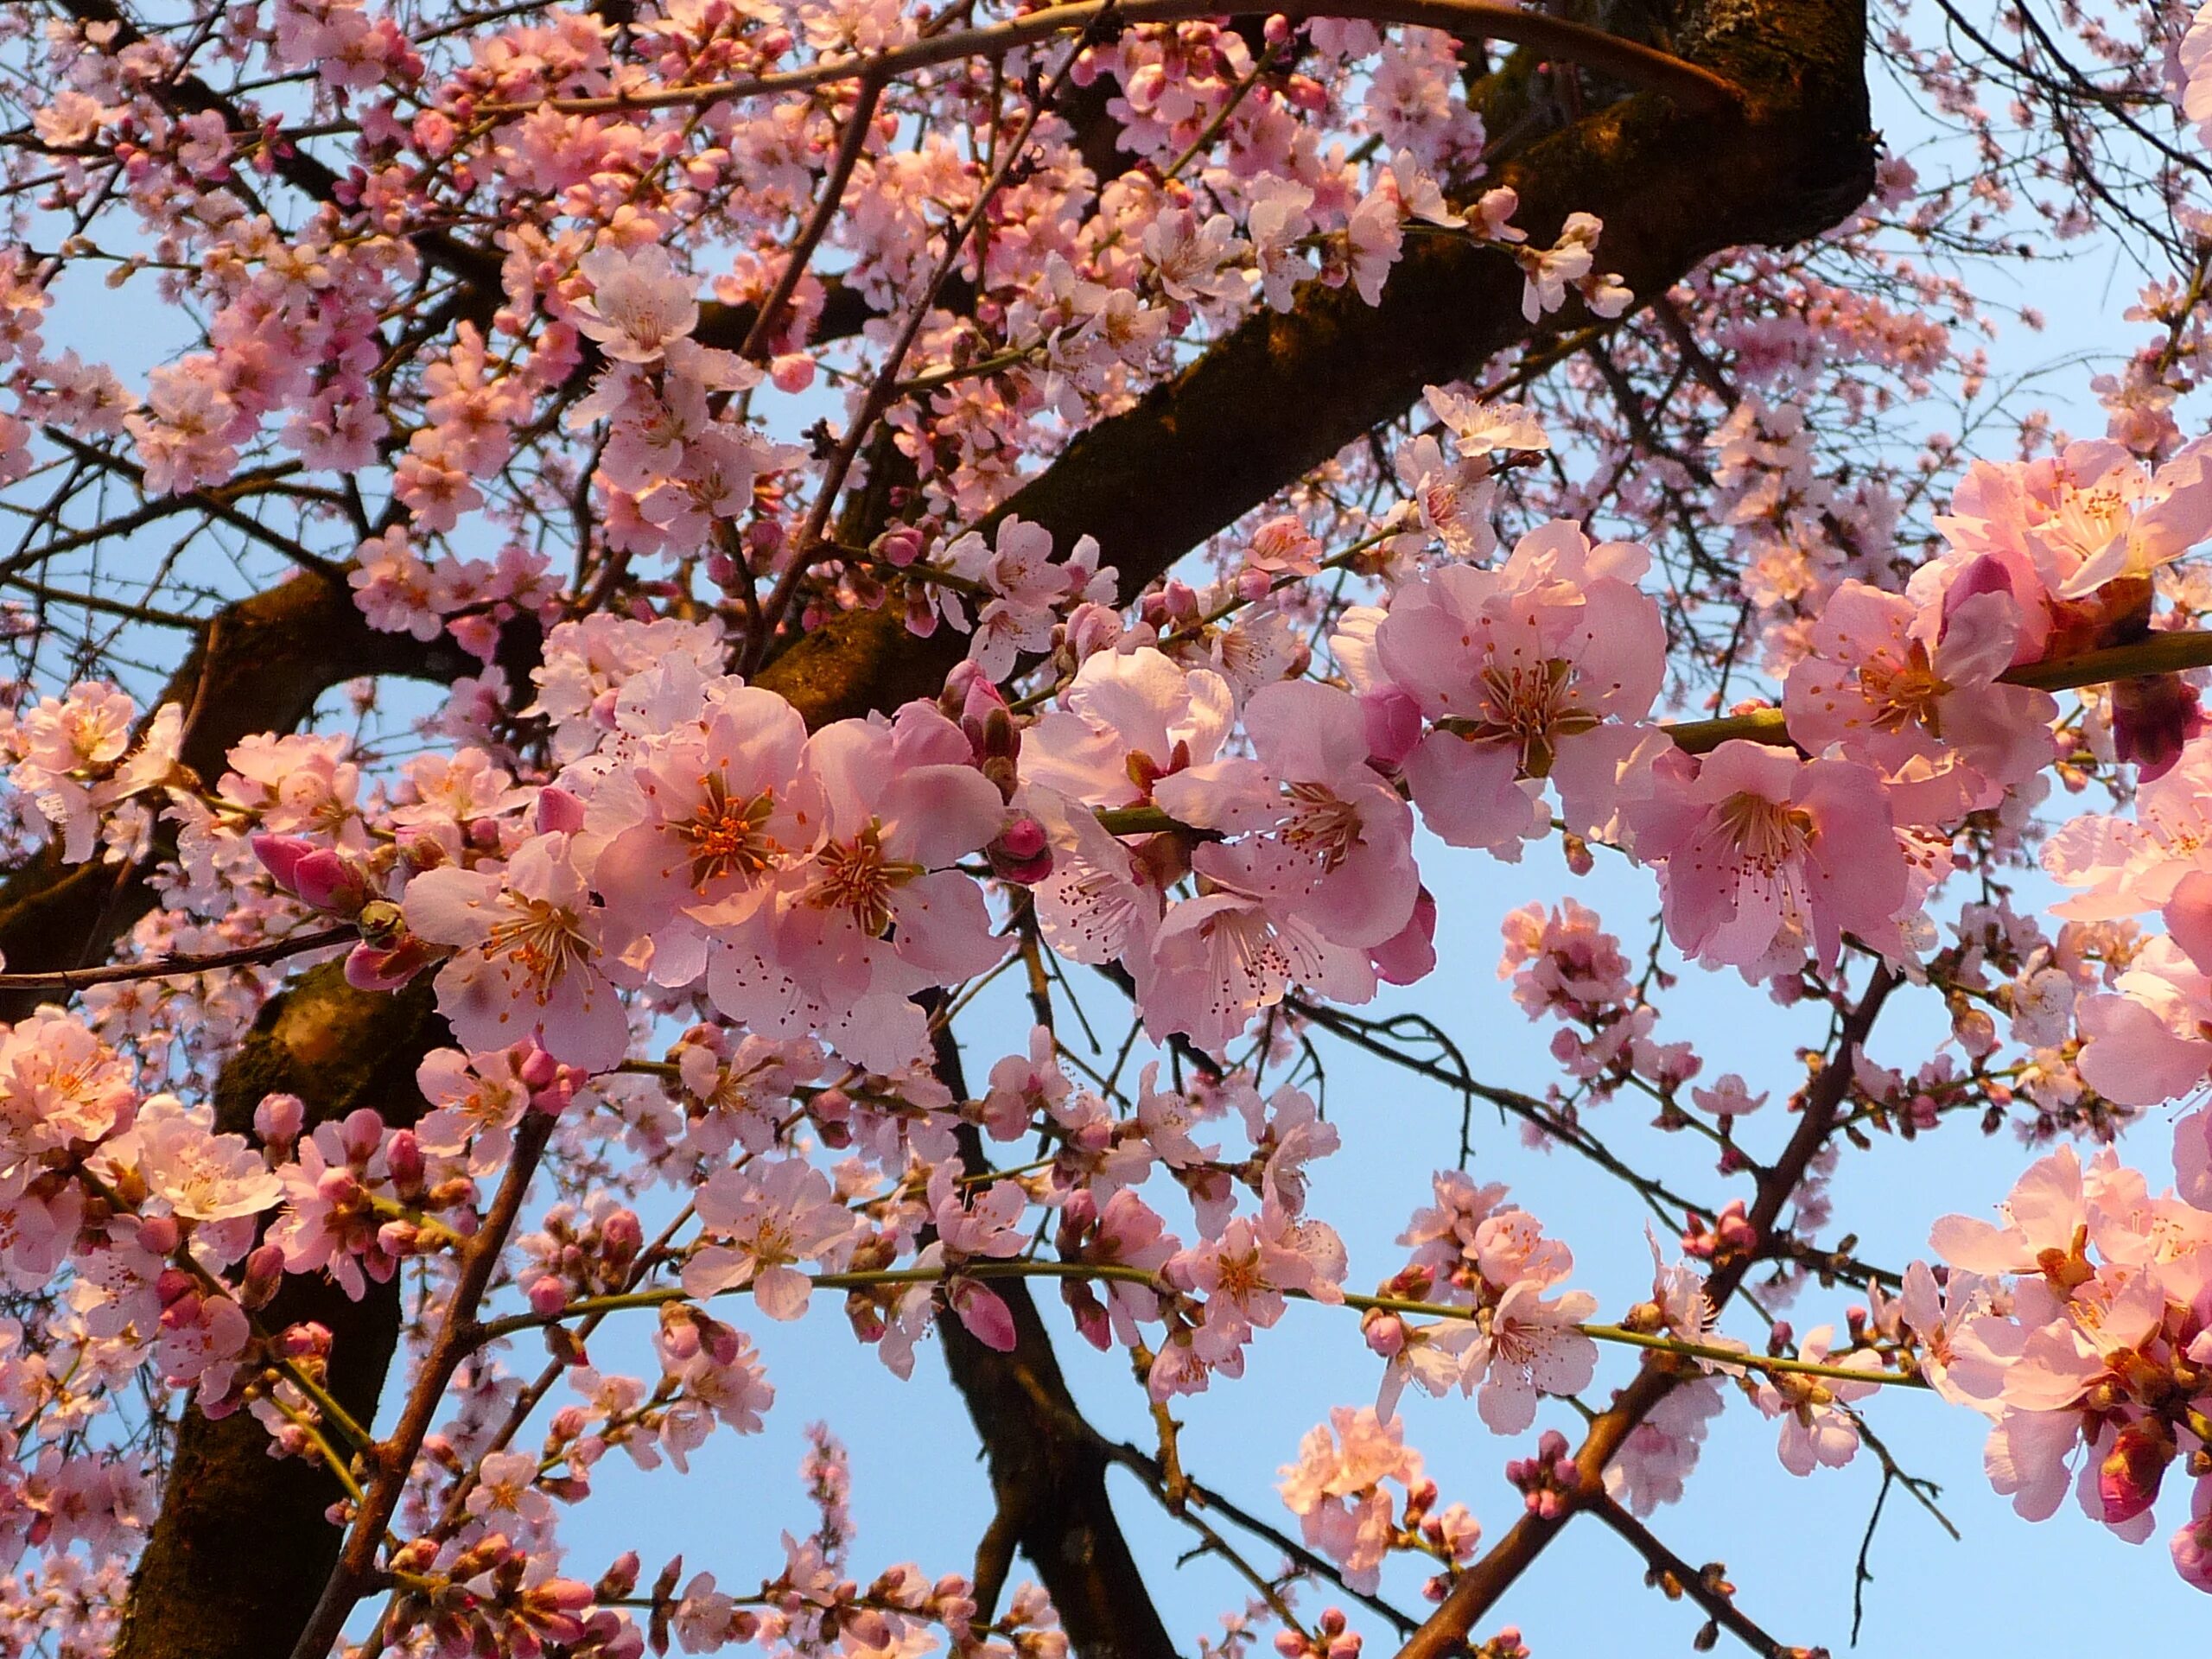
x=1473 y=20
x=1283 y=393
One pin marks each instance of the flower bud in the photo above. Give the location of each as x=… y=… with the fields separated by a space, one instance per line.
x=901 y=545
x=791 y=372
x=159 y=1235
x=279 y=1118
x=280 y=855
x=264 y=1272
x=2128 y=1478
x=1022 y=853
x=1385 y=1333
x=329 y=880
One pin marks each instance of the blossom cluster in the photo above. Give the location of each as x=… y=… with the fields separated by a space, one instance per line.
x=634 y=371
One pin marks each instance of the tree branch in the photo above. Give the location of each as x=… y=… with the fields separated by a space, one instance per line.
x=1477 y=1589
x=1047 y=1465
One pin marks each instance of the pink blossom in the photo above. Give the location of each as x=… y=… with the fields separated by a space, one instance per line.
x=1126 y=722
x=722 y=807
x=1541 y=667
x=874 y=914
x=1766 y=860
x=1529 y=1346
x=639 y=302
x=773 y=1215
x=198 y=1175
x=1330 y=841
x=530 y=962
x=475 y=1101
x=1335 y=1489
x=1913 y=692
x=1816 y=1429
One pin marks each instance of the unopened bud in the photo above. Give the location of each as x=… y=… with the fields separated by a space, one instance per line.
x=1022 y=853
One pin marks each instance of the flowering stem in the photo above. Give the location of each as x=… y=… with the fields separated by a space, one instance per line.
x=2166 y=652
x=77 y=979
x=1695 y=87
x=2161 y=653
x=355 y=1571
x=491 y=1329
x=1477 y=1589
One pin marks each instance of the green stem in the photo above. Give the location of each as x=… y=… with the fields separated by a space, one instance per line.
x=1023 y=1269
x=2170 y=651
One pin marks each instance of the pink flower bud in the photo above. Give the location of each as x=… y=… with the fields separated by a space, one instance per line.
x=622 y=1234
x=1385 y=1334
x=2152 y=718
x=1022 y=853
x=621 y=1575
x=534 y=1067
x=1276 y=33
x=368 y=967
x=264 y=1272
x=403 y=1160
x=985 y=1314
x=360 y=1132
x=547 y=1296
x=559 y=812
x=901 y=545
x=172 y=1285
x=2128 y=1478
x=279 y=1118
x=280 y=855
x=1091 y=629
x=2192 y=1550
x=159 y=1235
x=792 y=373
